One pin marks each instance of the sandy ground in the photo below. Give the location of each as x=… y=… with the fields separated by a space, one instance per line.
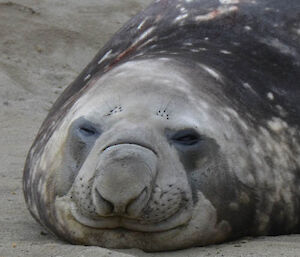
x=44 y=44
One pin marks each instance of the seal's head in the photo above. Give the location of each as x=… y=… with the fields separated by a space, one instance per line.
x=138 y=161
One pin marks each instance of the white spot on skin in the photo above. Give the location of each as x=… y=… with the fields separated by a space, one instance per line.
x=282 y=112
x=211 y=72
x=232 y=113
x=277 y=124
x=276 y=43
x=206 y=38
x=236 y=43
x=248 y=28
x=142 y=24
x=220 y=11
x=153 y=46
x=227 y=118
x=87 y=77
x=243 y=125
x=225 y=52
x=247 y=85
x=144 y=35
x=234 y=206
x=204 y=105
x=105 y=56
x=181 y=17
x=147 y=42
x=229 y=1
x=270 y=96
x=188 y=44
x=183 y=10
x=164 y=59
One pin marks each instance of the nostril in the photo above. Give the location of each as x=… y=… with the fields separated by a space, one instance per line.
x=103 y=206
x=126 y=207
x=134 y=207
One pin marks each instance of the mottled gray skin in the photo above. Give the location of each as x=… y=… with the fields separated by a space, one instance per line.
x=183 y=131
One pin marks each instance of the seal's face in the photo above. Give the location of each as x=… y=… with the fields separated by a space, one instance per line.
x=139 y=153
x=128 y=172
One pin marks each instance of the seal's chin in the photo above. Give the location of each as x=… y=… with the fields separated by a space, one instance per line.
x=181 y=218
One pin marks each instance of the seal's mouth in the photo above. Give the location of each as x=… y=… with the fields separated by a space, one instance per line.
x=179 y=219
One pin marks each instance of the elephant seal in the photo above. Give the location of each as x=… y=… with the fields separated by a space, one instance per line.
x=183 y=131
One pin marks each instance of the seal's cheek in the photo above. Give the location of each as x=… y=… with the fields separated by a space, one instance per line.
x=81 y=138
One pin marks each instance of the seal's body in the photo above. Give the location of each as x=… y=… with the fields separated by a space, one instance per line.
x=183 y=131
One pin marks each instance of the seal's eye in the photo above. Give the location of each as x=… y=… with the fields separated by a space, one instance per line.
x=87 y=130
x=186 y=137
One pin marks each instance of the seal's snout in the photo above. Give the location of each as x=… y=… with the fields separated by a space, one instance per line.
x=124 y=179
